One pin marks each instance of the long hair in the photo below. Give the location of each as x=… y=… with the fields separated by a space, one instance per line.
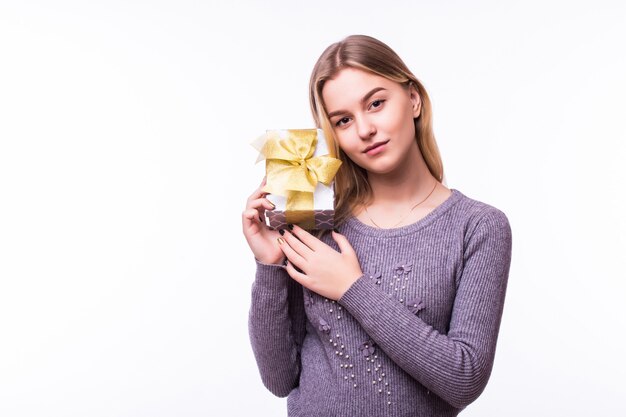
x=363 y=52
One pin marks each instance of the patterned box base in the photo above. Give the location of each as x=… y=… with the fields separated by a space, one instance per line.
x=323 y=219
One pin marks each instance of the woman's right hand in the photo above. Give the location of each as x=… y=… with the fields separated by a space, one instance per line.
x=261 y=239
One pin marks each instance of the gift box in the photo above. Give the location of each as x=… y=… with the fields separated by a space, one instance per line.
x=299 y=178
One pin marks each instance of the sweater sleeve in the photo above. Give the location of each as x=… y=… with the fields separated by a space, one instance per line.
x=276 y=326
x=456 y=366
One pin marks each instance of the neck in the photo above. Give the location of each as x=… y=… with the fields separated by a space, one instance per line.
x=410 y=182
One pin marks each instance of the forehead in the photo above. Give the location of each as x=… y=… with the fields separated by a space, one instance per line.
x=349 y=85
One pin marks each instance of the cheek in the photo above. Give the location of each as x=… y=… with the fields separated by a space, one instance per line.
x=403 y=122
x=345 y=142
x=410 y=127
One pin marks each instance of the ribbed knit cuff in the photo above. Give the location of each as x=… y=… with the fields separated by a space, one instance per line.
x=361 y=297
x=263 y=263
x=271 y=276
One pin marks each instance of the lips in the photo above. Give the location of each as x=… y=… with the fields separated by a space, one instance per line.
x=375 y=145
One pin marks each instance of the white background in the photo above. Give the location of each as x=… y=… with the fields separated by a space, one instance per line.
x=125 y=165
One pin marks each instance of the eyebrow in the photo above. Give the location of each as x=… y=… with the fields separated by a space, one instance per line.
x=363 y=100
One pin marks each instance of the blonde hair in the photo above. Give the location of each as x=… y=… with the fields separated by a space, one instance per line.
x=363 y=52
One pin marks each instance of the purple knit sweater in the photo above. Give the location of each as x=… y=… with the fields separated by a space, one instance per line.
x=415 y=335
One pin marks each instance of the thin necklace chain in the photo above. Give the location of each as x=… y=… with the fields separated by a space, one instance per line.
x=431 y=191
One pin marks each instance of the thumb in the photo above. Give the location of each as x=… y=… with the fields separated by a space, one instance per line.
x=342 y=242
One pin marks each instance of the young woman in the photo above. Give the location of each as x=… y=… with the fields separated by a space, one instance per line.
x=397 y=311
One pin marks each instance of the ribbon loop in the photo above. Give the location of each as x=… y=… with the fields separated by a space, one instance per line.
x=290 y=165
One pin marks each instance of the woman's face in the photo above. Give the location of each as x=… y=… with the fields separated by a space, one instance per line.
x=366 y=110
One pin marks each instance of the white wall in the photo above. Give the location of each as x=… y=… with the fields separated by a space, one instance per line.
x=125 y=165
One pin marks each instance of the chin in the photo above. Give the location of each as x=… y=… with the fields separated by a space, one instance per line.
x=381 y=171
x=379 y=168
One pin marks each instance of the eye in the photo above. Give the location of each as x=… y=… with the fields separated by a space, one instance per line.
x=377 y=103
x=341 y=121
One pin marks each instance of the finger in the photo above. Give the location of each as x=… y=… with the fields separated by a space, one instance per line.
x=291 y=254
x=260 y=202
x=263 y=183
x=342 y=242
x=260 y=205
x=303 y=250
x=259 y=192
x=298 y=276
x=308 y=239
x=252 y=215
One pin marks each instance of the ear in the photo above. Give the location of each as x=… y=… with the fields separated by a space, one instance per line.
x=416 y=101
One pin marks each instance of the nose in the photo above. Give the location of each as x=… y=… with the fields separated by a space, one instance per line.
x=365 y=128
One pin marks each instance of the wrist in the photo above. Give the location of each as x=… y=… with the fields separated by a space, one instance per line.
x=349 y=285
x=275 y=262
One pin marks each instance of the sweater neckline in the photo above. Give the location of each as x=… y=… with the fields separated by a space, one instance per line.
x=366 y=229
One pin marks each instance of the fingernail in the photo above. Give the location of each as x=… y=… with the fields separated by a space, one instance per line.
x=281 y=231
x=272 y=204
x=281 y=240
x=290 y=226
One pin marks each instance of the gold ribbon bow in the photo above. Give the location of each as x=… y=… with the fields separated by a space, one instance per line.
x=292 y=171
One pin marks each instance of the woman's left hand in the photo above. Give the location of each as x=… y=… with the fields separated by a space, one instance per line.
x=324 y=270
